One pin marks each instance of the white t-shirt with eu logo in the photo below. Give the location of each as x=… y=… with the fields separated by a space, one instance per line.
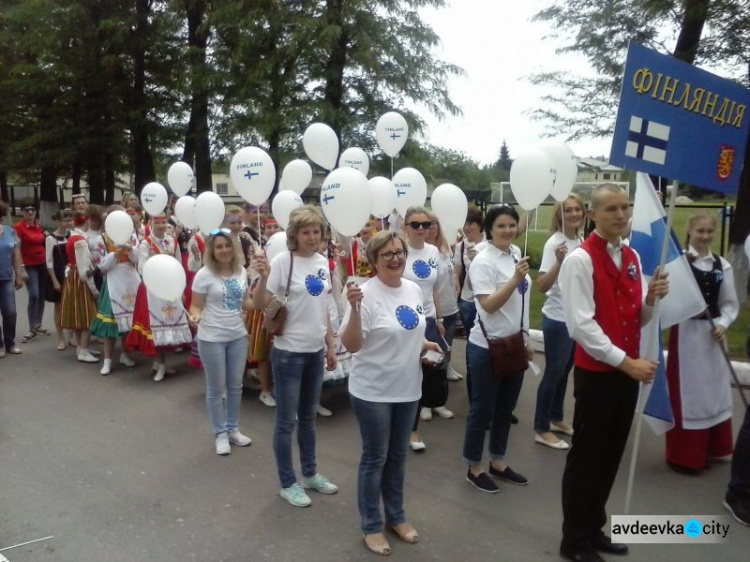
x=422 y=268
x=307 y=315
x=387 y=368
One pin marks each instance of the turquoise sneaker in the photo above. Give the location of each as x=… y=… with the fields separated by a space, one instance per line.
x=319 y=483
x=295 y=495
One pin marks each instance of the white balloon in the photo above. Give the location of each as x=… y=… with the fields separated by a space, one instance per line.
x=531 y=177
x=411 y=189
x=276 y=244
x=253 y=174
x=450 y=206
x=164 y=276
x=296 y=176
x=209 y=211
x=184 y=210
x=283 y=205
x=391 y=132
x=566 y=168
x=383 y=196
x=345 y=199
x=321 y=145
x=180 y=178
x=154 y=198
x=119 y=227
x=355 y=158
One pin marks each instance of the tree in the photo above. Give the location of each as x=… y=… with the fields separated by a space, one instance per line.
x=504 y=161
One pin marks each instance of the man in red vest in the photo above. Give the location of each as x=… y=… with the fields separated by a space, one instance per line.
x=606 y=301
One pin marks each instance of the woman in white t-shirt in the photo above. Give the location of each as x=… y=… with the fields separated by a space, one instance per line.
x=297 y=357
x=384 y=319
x=219 y=295
x=499 y=277
x=422 y=267
x=567 y=218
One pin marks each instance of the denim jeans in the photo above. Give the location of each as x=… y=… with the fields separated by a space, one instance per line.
x=8 y=312
x=467 y=310
x=558 y=360
x=38 y=276
x=224 y=366
x=492 y=404
x=298 y=378
x=739 y=485
x=384 y=427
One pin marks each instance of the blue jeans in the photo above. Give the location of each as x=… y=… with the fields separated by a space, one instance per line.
x=468 y=312
x=38 y=276
x=298 y=378
x=558 y=360
x=224 y=366
x=8 y=312
x=384 y=427
x=492 y=404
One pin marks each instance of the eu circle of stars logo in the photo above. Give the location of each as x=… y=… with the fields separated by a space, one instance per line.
x=407 y=318
x=314 y=285
x=421 y=269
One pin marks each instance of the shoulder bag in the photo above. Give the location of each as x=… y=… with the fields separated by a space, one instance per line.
x=509 y=353
x=275 y=311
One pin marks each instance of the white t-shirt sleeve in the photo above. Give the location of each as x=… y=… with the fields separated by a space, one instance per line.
x=548 y=253
x=483 y=280
x=202 y=280
x=276 y=283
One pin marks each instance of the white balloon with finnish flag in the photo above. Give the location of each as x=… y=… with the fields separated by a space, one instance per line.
x=321 y=145
x=355 y=158
x=411 y=189
x=184 y=210
x=119 y=227
x=532 y=176
x=566 y=169
x=164 y=276
x=253 y=174
x=154 y=198
x=383 y=196
x=275 y=245
x=345 y=199
x=296 y=176
x=391 y=132
x=209 y=211
x=450 y=206
x=282 y=206
x=180 y=178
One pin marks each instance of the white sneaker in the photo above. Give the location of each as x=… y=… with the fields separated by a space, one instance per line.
x=425 y=414
x=106 y=368
x=126 y=360
x=267 y=399
x=319 y=483
x=295 y=495
x=453 y=375
x=324 y=412
x=160 y=372
x=85 y=357
x=236 y=438
x=443 y=412
x=222 y=444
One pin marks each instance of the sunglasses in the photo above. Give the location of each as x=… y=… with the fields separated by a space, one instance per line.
x=220 y=232
x=416 y=225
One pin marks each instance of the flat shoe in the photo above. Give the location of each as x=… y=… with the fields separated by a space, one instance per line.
x=561 y=445
x=15 y=350
x=408 y=535
x=559 y=429
x=417 y=446
x=383 y=549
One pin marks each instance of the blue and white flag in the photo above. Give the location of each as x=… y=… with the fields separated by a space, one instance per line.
x=683 y=301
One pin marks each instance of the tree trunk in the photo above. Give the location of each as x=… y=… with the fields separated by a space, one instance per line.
x=334 y=69
x=48 y=204
x=109 y=178
x=143 y=161
x=76 y=178
x=96 y=177
x=696 y=13
x=4 y=192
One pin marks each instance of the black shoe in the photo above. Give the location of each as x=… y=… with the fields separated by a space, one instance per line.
x=739 y=509
x=509 y=475
x=587 y=554
x=482 y=482
x=684 y=469
x=513 y=419
x=603 y=543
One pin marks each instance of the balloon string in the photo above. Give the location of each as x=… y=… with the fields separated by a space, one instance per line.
x=526 y=241
x=351 y=259
x=391 y=169
x=260 y=226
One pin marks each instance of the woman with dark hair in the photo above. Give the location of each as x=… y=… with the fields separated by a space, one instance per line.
x=12 y=277
x=57 y=261
x=500 y=280
x=33 y=254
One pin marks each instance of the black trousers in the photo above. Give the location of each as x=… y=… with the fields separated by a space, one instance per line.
x=604 y=407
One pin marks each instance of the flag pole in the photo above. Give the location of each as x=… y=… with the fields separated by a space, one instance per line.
x=737 y=382
x=651 y=352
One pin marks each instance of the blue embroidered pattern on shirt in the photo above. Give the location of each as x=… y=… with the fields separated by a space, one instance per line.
x=232 y=294
x=406 y=317
x=314 y=285
x=421 y=269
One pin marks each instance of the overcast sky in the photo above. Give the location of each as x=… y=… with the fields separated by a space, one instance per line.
x=497 y=45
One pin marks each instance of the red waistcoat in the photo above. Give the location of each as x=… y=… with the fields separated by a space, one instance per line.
x=618 y=298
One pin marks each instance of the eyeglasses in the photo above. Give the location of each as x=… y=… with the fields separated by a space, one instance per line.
x=416 y=225
x=220 y=232
x=390 y=255
x=232 y=221
x=29 y=210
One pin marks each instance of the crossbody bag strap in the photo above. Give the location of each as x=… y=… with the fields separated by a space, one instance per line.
x=523 y=309
x=289 y=279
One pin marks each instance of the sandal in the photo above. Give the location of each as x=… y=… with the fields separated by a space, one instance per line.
x=381 y=548
x=28 y=337
x=41 y=331
x=406 y=533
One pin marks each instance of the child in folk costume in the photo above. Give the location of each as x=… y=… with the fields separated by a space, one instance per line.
x=114 y=316
x=196 y=246
x=158 y=325
x=697 y=373
x=77 y=303
x=57 y=261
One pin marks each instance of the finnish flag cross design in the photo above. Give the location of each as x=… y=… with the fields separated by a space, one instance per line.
x=647 y=140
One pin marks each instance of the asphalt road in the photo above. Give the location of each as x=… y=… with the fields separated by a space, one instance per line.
x=121 y=468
